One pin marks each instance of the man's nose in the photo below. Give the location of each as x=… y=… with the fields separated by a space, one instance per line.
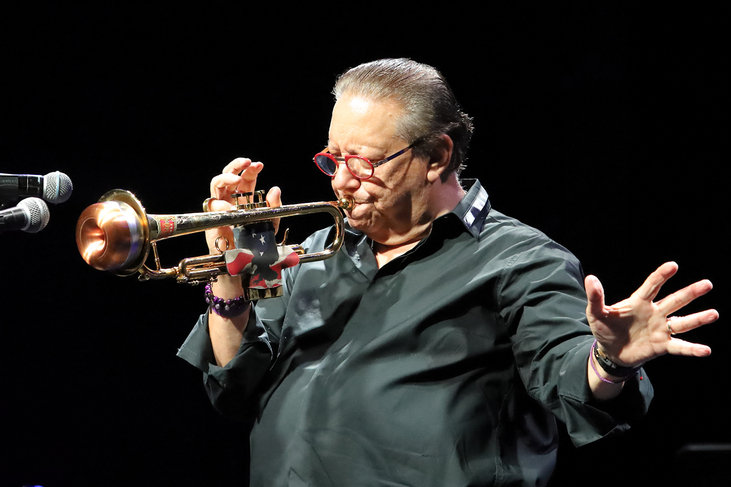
x=343 y=180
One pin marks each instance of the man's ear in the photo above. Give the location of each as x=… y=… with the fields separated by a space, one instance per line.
x=441 y=156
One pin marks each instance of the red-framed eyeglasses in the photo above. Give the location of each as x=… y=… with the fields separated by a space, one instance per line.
x=360 y=167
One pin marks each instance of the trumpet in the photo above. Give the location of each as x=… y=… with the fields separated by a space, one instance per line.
x=116 y=234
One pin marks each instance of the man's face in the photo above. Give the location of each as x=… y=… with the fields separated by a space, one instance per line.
x=394 y=199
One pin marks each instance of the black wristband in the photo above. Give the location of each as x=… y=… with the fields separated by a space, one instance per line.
x=610 y=367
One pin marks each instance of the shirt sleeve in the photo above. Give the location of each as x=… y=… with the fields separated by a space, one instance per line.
x=543 y=303
x=238 y=389
x=233 y=388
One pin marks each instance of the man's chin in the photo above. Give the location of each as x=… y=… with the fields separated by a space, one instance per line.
x=356 y=221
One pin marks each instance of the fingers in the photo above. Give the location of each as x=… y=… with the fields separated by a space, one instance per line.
x=677 y=300
x=222 y=186
x=638 y=329
x=652 y=285
x=239 y=176
x=688 y=349
x=682 y=324
x=683 y=297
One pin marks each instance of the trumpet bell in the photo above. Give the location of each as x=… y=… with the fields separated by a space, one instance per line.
x=112 y=235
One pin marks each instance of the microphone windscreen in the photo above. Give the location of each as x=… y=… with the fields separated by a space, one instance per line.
x=38 y=211
x=57 y=187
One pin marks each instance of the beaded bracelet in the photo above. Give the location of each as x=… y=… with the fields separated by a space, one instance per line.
x=226 y=308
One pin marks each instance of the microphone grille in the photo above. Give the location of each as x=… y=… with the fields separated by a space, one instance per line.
x=57 y=187
x=39 y=215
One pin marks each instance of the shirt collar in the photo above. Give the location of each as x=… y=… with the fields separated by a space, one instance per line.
x=472 y=209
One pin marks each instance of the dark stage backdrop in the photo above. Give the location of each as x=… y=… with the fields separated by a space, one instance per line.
x=601 y=124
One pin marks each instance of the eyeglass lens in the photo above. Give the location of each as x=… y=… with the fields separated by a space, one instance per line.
x=327 y=164
x=358 y=166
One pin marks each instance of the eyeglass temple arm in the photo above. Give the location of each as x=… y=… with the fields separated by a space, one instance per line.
x=394 y=156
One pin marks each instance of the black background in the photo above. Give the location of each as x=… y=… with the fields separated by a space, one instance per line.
x=601 y=124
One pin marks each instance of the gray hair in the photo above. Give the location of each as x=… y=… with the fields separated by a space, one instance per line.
x=429 y=105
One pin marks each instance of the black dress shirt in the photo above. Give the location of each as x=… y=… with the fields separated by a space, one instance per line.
x=448 y=366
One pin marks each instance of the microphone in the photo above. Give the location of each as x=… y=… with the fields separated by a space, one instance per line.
x=54 y=187
x=31 y=215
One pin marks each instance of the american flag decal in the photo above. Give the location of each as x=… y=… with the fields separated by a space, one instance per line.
x=258 y=255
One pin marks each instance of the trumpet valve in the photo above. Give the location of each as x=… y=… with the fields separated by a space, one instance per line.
x=252 y=200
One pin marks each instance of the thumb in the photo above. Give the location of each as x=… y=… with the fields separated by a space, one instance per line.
x=274 y=200
x=274 y=197
x=595 y=297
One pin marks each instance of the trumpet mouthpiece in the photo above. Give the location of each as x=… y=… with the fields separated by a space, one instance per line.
x=346 y=203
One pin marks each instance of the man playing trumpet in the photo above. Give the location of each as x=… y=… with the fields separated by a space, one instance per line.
x=444 y=341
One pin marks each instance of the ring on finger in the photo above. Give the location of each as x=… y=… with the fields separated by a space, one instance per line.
x=670 y=328
x=207 y=204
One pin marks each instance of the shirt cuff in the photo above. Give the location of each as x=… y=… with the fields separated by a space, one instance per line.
x=198 y=351
x=589 y=419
